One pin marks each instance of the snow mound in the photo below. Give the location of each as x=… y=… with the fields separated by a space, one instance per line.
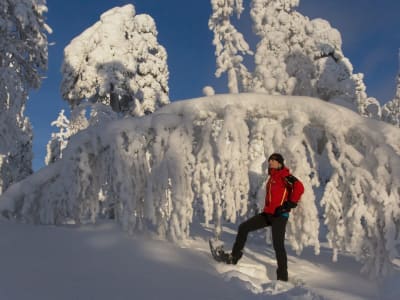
x=205 y=160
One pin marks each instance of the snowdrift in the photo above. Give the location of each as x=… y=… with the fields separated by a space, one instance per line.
x=205 y=160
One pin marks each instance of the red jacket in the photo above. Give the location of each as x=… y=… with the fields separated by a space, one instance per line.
x=277 y=190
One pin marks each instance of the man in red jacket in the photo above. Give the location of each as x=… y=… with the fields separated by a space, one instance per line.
x=283 y=191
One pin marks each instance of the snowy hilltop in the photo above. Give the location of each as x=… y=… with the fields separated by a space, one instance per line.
x=204 y=161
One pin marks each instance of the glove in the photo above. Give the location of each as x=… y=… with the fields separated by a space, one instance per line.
x=284 y=209
x=288 y=205
x=279 y=211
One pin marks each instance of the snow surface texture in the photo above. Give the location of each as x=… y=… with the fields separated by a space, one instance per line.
x=101 y=262
x=204 y=160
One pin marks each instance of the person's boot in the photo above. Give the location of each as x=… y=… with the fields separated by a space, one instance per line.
x=282 y=275
x=226 y=257
x=236 y=257
x=230 y=258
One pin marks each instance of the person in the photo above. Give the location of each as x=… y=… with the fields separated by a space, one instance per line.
x=283 y=192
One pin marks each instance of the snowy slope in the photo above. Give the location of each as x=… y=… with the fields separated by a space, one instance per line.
x=203 y=160
x=101 y=262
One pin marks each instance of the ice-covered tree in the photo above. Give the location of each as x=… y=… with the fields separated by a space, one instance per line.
x=205 y=161
x=118 y=62
x=230 y=45
x=23 y=59
x=391 y=110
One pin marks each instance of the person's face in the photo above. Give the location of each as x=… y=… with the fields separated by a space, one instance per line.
x=273 y=164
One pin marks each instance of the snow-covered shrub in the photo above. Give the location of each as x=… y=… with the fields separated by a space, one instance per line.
x=208 y=91
x=204 y=160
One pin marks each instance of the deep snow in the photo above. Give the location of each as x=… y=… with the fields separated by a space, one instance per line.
x=102 y=262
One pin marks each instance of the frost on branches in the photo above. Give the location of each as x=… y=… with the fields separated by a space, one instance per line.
x=23 y=59
x=205 y=160
x=98 y=113
x=295 y=56
x=229 y=44
x=117 y=62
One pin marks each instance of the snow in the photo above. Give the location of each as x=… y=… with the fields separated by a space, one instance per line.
x=195 y=169
x=118 y=62
x=101 y=262
x=203 y=160
x=23 y=61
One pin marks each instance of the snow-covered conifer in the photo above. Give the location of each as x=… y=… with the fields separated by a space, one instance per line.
x=230 y=45
x=298 y=56
x=391 y=110
x=23 y=59
x=82 y=116
x=272 y=22
x=118 y=62
x=59 y=140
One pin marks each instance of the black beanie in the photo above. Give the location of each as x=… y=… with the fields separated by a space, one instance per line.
x=278 y=157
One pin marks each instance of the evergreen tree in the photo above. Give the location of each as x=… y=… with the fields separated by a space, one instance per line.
x=230 y=44
x=298 y=56
x=295 y=55
x=23 y=59
x=391 y=110
x=58 y=140
x=117 y=62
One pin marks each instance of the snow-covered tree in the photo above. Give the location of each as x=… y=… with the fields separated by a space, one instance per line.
x=23 y=59
x=298 y=56
x=118 y=62
x=59 y=140
x=97 y=114
x=205 y=161
x=295 y=55
x=391 y=110
x=230 y=45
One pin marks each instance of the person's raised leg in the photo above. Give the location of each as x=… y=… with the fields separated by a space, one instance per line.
x=257 y=222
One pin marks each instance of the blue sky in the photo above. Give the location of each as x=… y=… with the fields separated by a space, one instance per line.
x=369 y=28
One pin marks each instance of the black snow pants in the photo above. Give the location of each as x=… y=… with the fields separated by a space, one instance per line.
x=278 y=227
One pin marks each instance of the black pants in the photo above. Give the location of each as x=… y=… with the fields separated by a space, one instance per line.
x=278 y=226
